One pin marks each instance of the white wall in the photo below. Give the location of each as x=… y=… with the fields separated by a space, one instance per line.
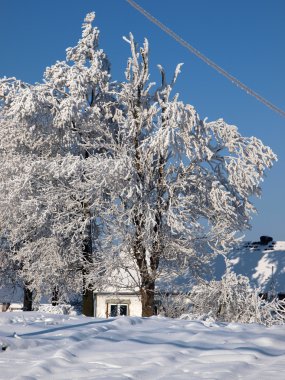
x=102 y=300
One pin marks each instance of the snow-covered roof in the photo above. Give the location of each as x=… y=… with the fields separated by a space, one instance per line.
x=264 y=264
x=10 y=293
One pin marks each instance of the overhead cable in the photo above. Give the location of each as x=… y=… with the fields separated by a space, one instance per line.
x=209 y=62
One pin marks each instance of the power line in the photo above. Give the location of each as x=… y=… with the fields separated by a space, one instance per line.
x=206 y=59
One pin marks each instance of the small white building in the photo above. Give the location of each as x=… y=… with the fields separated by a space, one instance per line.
x=112 y=304
x=120 y=293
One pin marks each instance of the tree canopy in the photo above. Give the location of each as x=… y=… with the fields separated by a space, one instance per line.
x=117 y=183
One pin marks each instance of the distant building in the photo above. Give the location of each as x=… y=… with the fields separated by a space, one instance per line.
x=263 y=262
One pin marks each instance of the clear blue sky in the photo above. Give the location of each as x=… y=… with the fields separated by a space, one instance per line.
x=245 y=37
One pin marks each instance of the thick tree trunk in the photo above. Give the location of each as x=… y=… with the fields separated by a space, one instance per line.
x=88 y=303
x=147 y=299
x=55 y=298
x=28 y=299
x=147 y=281
x=147 y=272
x=87 y=297
x=87 y=293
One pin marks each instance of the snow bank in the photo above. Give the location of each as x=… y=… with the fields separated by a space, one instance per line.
x=36 y=345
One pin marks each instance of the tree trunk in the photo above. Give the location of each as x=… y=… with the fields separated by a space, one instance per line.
x=87 y=294
x=147 y=281
x=55 y=298
x=88 y=303
x=146 y=272
x=28 y=299
x=147 y=298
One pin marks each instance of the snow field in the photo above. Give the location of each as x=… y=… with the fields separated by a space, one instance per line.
x=44 y=346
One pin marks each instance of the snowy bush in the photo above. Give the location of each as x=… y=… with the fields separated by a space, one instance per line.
x=173 y=305
x=233 y=300
x=58 y=309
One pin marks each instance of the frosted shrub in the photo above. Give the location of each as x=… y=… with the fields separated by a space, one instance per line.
x=233 y=300
x=58 y=309
x=174 y=305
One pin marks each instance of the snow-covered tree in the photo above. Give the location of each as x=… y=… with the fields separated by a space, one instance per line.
x=139 y=170
x=189 y=182
x=50 y=133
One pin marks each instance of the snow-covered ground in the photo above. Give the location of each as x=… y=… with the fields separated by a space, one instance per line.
x=36 y=345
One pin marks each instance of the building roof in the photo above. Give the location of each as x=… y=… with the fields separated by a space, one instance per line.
x=264 y=264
